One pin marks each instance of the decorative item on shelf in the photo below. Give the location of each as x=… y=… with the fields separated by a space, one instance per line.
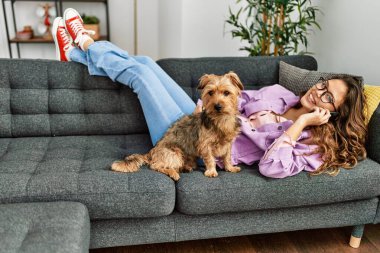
x=275 y=27
x=25 y=34
x=47 y=12
x=92 y=23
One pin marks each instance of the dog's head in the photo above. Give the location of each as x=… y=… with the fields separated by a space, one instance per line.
x=219 y=94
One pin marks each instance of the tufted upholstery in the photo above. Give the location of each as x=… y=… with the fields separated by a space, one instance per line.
x=95 y=122
x=59 y=227
x=76 y=168
x=50 y=98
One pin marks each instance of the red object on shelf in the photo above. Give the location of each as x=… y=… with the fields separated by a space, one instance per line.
x=47 y=20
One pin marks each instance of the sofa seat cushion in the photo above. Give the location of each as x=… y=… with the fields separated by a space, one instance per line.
x=248 y=190
x=44 y=227
x=77 y=168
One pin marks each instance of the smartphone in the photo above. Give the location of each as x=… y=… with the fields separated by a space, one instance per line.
x=333 y=115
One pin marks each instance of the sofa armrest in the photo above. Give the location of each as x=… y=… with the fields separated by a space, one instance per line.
x=373 y=140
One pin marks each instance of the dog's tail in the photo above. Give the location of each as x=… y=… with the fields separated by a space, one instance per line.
x=131 y=163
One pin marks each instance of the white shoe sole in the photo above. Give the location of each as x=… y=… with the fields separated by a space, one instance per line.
x=54 y=33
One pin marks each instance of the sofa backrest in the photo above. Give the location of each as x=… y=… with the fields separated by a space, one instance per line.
x=51 y=98
x=254 y=72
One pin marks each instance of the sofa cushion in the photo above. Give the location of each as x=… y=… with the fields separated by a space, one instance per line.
x=248 y=190
x=77 y=168
x=372 y=97
x=44 y=227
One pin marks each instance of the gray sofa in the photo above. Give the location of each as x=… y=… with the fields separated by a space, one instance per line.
x=59 y=227
x=61 y=129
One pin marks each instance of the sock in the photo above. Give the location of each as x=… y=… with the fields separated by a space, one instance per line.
x=82 y=37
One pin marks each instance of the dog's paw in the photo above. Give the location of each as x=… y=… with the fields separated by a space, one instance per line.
x=174 y=175
x=118 y=166
x=211 y=173
x=233 y=169
x=122 y=166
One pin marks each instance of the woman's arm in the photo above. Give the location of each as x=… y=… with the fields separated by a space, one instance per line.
x=284 y=157
x=318 y=117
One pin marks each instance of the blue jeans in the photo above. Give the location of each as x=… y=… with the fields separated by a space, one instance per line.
x=163 y=101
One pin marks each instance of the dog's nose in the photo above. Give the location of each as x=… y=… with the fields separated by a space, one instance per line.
x=218 y=107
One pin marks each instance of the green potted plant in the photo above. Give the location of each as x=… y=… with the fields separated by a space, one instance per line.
x=273 y=27
x=92 y=23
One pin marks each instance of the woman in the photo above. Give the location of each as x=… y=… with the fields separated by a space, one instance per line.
x=286 y=133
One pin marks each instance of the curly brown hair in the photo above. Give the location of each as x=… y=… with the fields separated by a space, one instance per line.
x=341 y=141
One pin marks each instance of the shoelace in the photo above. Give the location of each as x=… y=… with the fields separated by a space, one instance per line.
x=65 y=38
x=77 y=26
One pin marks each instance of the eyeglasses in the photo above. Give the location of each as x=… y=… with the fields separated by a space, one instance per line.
x=327 y=96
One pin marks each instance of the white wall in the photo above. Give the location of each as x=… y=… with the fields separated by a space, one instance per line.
x=170 y=28
x=121 y=23
x=3 y=39
x=148 y=28
x=195 y=28
x=349 y=39
x=204 y=30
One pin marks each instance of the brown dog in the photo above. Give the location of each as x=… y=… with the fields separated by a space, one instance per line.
x=208 y=134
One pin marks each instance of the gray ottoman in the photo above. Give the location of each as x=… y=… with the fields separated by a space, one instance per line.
x=44 y=227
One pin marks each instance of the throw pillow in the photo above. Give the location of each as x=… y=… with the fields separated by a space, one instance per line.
x=297 y=80
x=372 y=94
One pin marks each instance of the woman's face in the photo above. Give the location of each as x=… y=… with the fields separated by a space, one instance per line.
x=337 y=89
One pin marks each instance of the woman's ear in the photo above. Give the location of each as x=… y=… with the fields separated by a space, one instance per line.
x=235 y=80
x=203 y=81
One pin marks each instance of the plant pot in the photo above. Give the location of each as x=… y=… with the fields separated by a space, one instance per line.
x=94 y=27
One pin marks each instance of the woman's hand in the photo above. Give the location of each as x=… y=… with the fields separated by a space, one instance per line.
x=318 y=116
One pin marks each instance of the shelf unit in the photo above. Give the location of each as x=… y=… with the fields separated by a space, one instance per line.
x=58 y=7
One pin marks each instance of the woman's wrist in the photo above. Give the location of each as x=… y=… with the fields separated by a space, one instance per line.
x=295 y=130
x=301 y=121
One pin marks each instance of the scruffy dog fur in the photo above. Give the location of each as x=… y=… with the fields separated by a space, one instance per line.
x=208 y=134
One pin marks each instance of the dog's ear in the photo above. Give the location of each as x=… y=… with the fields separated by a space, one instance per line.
x=235 y=80
x=203 y=81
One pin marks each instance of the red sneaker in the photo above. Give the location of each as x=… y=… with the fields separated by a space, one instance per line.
x=74 y=26
x=62 y=40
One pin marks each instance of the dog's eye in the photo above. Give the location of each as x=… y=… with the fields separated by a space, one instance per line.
x=210 y=92
x=226 y=93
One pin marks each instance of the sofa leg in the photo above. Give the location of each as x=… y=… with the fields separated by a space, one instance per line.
x=356 y=236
